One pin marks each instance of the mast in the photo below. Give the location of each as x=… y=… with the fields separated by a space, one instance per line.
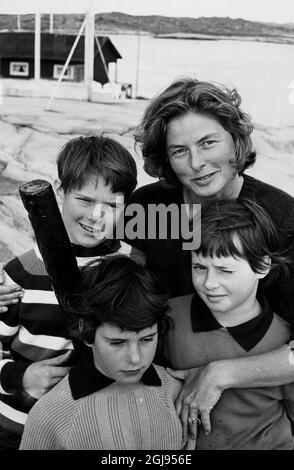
x=89 y=50
x=138 y=60
x=37 y=58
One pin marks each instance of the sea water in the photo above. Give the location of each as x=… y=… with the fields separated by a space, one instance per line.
x=262 y=72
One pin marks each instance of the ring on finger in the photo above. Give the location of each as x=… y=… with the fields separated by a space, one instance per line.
x=194 y=421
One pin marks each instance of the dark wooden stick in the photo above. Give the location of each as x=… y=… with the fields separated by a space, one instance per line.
x=39 y=200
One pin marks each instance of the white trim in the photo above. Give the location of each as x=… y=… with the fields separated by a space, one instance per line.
x=84 y=261
x=69 y=74
x=39 y=297
x=125 y=248
x=18 y=73
x=12 y=414
x=56 y=343
x=2 y=364
x=6 y=330
x=37 y=251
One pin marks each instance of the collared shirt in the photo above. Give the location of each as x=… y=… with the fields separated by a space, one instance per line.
x=196 y=338
x=246 y=334
x=108 y=246
x=244 y=418
x=85 y=379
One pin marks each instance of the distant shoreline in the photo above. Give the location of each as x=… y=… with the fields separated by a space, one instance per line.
x=186 y=36
x=214 y=37
x=203 y=37
x=161 y=27
x=206 y=37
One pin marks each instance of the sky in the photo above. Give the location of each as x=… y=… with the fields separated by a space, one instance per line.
x=279 y=11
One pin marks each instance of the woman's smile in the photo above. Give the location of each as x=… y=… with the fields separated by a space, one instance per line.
x=205 y=179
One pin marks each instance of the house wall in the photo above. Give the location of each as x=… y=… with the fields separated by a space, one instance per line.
x=54 y=51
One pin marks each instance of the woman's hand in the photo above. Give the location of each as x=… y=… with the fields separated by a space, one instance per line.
x=9 y=294
x=202 y=390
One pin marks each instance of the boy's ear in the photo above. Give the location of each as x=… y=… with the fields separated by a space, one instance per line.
x=267 y=267
x=58 y=191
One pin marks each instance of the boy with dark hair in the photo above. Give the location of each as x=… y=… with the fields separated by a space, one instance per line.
x=96 y=177
x=229 y=319
x=115 y=398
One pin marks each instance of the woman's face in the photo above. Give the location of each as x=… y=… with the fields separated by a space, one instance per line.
x=200 y=151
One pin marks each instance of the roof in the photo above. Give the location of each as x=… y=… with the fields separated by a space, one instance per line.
x=53 y=46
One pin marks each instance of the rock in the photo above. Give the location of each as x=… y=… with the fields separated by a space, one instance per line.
x=3 y=165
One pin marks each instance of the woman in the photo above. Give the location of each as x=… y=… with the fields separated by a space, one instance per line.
x=196 y=140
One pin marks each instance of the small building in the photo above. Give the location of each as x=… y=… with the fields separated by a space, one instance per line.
x=17 y=56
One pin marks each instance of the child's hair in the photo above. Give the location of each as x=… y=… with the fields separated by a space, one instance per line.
x=83 y=158
x=224 y=221
x=118 y=291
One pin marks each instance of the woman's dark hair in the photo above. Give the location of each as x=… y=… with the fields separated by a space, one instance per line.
x=184 y=95
x=84 y=158
x=118 y=291
x=224 y=223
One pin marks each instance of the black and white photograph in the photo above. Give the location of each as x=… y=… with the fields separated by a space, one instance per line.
x=146 y=203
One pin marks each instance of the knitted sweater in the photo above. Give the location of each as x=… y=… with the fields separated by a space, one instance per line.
x=118 y=417
x=258 y=418
x=35 y=329
x=173 y=265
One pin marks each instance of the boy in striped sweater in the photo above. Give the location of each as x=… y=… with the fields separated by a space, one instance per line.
x=96 y=177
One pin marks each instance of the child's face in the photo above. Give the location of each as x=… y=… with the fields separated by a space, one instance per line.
x=91 y=212
x=226 y=284
x=124 y=355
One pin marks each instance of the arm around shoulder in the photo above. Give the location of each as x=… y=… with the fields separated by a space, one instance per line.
x=201 y=392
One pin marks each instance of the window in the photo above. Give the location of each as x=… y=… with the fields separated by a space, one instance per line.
x=69 y=73
x=20 y=69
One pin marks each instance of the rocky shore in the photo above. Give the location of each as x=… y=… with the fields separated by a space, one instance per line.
x=30 y=140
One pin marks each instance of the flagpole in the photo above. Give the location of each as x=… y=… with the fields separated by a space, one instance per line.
x=89 y=50
x=37 y=57
x=138 y=61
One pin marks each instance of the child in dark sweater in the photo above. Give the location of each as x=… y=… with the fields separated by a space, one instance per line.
x=114 y=398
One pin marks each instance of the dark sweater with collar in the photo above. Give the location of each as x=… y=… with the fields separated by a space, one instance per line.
x=173 y=265
x=249 y=418
x=89 y=411
x=35 y=328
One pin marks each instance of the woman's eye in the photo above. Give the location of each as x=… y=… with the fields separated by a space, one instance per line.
x=179 y=152
x=225 y=271
x=208 y=143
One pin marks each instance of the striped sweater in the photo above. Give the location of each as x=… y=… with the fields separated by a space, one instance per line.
x=34 y=329
x=118 y=417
